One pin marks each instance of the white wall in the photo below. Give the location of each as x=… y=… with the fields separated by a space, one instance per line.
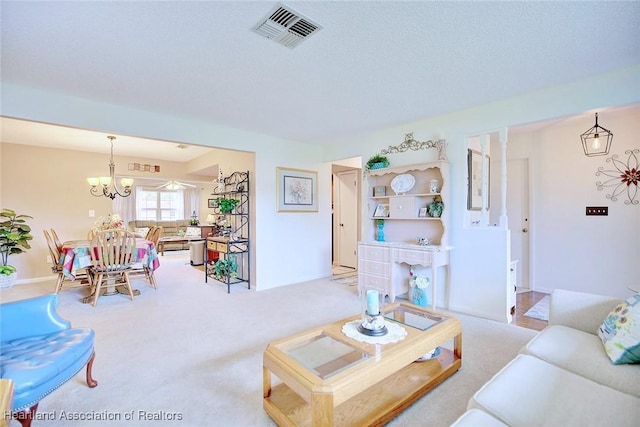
x=573 y=251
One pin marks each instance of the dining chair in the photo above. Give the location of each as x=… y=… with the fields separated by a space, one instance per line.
x=111 y=256
x=81 y=279
x=56 y=239
x=91 y=234
x=153 y=235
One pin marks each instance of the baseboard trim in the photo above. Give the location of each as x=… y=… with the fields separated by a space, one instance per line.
x=33 y=280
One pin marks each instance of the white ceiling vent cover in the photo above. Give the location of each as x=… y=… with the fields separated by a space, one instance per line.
x=286 y=26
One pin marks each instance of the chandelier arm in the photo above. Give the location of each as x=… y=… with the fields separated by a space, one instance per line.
x=94 y=192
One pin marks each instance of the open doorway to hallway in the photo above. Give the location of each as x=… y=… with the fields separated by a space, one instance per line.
x=345 y=184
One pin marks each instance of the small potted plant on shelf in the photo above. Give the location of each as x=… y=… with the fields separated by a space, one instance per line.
x=377 y=161
x=15 y=234
x=226 y=205
x=436 y=207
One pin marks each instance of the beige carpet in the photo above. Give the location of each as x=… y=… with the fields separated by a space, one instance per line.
x=191 y=351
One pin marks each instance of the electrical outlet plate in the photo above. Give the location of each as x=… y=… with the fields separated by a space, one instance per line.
x=597 y=211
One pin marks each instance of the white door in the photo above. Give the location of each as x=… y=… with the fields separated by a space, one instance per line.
x=518 y=214
x=347 y=218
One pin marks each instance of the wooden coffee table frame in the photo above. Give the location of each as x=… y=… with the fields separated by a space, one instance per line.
x=368 y=393
x=176 y=239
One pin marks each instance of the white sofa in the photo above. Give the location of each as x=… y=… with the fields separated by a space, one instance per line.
x=563 y=376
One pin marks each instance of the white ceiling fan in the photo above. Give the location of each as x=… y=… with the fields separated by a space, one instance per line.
x=175 y=185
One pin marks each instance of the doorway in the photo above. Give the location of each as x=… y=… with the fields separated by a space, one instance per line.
x=345 y=214
x=519 y=220
x=346 y=219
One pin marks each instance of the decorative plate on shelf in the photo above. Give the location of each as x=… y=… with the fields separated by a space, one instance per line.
x=403 y=183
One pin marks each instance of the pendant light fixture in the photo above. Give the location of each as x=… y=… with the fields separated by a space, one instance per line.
x=108 y=183
x=596 y=141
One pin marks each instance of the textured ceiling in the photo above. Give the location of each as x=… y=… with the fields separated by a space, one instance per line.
x=372 y=65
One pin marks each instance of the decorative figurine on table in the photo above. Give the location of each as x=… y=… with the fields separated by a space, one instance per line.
x=423 y=241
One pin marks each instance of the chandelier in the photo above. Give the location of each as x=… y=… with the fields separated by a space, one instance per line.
x=597 y=140
x=108 y=183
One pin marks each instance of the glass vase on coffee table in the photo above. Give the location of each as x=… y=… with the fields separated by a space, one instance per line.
x=373 y=301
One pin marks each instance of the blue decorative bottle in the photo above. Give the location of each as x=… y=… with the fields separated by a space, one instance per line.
x=380 y=235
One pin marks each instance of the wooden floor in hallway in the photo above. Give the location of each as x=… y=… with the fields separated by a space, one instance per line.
x=524 y=301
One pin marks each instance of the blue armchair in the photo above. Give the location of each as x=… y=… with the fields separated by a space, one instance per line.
x=39 y=351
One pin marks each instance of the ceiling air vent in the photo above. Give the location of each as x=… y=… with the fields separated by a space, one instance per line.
x=285 y=26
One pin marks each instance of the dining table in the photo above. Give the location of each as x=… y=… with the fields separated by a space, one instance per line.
x=75 y=255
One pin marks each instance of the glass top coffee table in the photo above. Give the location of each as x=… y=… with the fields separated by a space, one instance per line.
x=324 y=378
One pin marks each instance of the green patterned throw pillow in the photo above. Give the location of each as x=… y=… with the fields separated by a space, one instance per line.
x=620 y=332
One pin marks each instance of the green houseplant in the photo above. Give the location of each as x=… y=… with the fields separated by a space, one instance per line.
x=226 y=205
x=15 y=234
x=225 y=268
x=377 y=161
x=436 y=207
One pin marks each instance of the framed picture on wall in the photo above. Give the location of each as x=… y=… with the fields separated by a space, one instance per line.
x=297 y=190
x=211 y=203
x=474 y=166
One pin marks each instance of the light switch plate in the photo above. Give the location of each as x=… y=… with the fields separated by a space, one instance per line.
x=597 y=210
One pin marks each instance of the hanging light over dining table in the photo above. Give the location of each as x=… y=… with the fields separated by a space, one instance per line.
x=106 y=185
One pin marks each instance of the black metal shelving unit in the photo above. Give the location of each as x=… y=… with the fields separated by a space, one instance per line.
x=232 y=238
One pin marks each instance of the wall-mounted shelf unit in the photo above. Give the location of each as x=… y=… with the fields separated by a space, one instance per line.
x=404 y=223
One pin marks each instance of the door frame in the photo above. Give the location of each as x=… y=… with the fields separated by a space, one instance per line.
x=512 y=225
x=335 y=232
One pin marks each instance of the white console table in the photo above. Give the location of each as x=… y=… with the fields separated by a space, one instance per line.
x=379 y=266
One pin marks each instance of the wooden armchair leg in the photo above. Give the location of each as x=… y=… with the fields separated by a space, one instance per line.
x=25 y=417
x=90 y=381
x=59 y=282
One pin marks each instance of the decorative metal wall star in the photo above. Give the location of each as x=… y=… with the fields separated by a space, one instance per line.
x=625 y=177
